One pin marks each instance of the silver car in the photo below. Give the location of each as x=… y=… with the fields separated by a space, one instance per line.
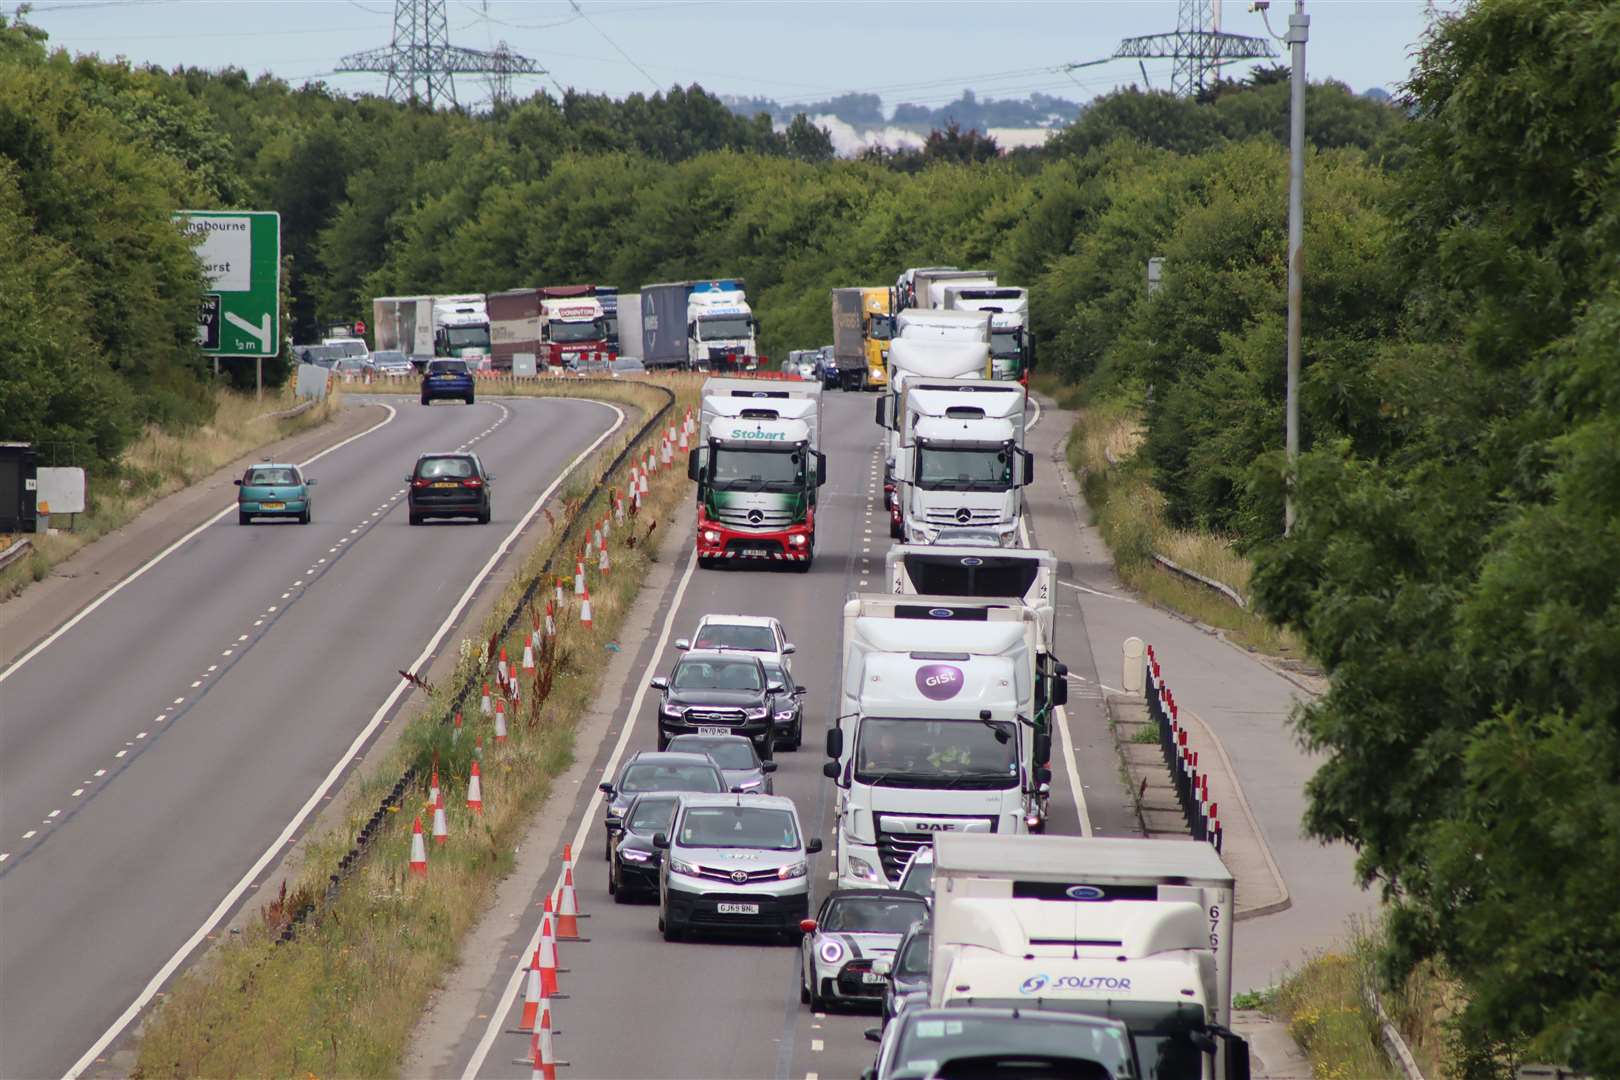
x=735 y=755
x=734 y=862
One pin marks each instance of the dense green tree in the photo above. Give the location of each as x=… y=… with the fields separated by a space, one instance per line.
x=807 y=141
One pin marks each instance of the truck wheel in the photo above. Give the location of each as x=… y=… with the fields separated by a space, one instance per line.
x=705 y=562
x=895 y=531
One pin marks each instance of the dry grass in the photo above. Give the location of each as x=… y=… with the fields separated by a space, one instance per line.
x=160 y=463
x=342 y=998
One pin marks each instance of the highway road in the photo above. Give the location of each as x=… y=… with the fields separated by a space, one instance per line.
x=157 y=752
x=641 y=1007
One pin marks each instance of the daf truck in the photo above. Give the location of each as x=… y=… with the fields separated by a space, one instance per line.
x=758 y=471
x=938 y=694
x=1132 y=930
x=1012 y=345
x=405 y=324
x=959 y=458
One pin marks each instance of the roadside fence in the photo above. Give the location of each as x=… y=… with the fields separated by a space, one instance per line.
x=1191 y=784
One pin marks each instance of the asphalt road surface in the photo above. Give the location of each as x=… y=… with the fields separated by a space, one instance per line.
x=712 y=1007
x=154 y=752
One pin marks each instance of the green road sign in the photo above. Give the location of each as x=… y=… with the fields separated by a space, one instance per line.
x=240 y=314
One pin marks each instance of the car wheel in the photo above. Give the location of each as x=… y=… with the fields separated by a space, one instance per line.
x=303 y=519
x=483 y=515
x=426 y=399
x=818 y=1001
x=416 y=519
x=798 y=734
x=469 y=399
x=242 y=518
x=670 y=930
x=804 y=982
x=663 y=742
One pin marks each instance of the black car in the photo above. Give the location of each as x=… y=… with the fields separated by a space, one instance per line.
x=718 y=692
x=647 y=772
x=908 y=972
x=447 y=379
x=787 y=708
x=633 y=861
x=449 y=485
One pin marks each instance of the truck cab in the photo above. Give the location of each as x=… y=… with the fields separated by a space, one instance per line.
x=960 y=459
x=1012 y=346
x=572 y=330
x=461 y=327
x=721 y=329
x=912 y=359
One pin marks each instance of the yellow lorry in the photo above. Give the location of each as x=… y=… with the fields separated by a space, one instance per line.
x=877 y=331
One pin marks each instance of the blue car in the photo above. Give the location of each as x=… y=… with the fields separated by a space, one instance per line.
x=447 y=379
x=270 y=490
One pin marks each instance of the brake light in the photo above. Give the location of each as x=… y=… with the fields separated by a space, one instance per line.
x=420 y=481
x=472 y=482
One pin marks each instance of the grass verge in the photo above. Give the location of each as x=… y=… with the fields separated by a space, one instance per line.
x=162 y=462
x=342 y=998
x=1130 y=515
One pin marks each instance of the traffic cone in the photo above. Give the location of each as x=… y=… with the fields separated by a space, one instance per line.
x=532 y=995
x=545 y=1056
x=559 y=596
x=642 y=486
x=478 y=748
x=500 y=665
x=547 y=959
x=475 y=792
x=500 y=723
x=433 y=786
x=596 y=537
x=579 y=577
x=602 y=563
x=551 y=623
x=607 y=519
x=418 y=850
x=455 y=732
x=441 y=828
x=664 y=450
x=568 y=915
x=483 y=702
x=528 y=655
x=618 y=507
x=585 y=609
x=684 y=447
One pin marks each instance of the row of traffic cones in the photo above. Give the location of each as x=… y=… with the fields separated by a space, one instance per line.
x=540 y=982
x=440 y=824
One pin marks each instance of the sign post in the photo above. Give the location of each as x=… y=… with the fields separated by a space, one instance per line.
x=240 y=250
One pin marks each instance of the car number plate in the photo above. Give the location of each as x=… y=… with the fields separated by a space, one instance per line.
x=737 y=909
x=714 y=731
x=445 y=483
x=272 y=506
x=872 y=977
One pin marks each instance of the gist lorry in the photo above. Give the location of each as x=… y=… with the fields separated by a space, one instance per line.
x=1012 y=346
x=959 y=460
x=941 y=728
x=757 y=471
x=1132 y=930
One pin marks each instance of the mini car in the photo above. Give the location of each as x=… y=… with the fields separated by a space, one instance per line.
x=447 y=379
x=633 y=861
x=271 y=490
x=650 y=771
x=717 y=692
x=741 y=767
x=449 y=485
x=908 y=972
x=852 y=929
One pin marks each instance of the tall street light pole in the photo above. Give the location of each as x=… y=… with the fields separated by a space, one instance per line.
x=1299 y=25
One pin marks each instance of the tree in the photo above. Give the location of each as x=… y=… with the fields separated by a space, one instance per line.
x=807 y=141
x=964 y=147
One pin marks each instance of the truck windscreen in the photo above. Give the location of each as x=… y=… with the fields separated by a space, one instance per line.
x=750 y=469
x=936 y=753
x=882 y=327
x=565 y=332
x=961 y=468
x=1004 y=343
x=466 y=337
x=723 y=327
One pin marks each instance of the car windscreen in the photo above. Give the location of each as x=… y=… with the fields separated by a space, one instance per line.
x=919 y=878
x=735 y=753
x=717 y=675
x=914 y=958
x=694 y=777
x=754 y=638
x=350 y=348
x=446 y=468
x=269 y=477
x=873 y=914
x=927 y=1042
x=1160 y=1031
x=389 y=356
x=447 y=367
x=651 y=815
x=738 y=827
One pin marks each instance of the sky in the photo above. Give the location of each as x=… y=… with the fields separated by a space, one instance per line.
x=790 y=50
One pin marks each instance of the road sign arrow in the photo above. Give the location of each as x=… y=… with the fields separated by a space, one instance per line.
x=260 y=332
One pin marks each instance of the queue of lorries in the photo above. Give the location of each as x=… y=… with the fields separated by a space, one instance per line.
x=988 y=948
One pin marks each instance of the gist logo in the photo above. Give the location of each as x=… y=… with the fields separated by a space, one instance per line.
x=939 y=682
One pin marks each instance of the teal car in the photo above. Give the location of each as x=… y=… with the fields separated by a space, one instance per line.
x=269 y=490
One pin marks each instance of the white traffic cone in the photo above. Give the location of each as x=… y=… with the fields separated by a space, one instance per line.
x=585 y=609
x=528 y=654
x=483 y=702
x=441 y=828
x=418 y=850
x=579 y=577
x=475 y=792
x=602 y=563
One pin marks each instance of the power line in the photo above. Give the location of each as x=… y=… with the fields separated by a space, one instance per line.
x=589 y=22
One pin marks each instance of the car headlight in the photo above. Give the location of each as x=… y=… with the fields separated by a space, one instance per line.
x=633 y=855
x=793 y=870
x=797 y=539
x=830 y=952
x=758 y=713
x=681 y=866
x=859 y=867
x=669 y=710
x=785 y=715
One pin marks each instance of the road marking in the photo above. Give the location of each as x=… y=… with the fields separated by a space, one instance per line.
x=149 y=991
x=80 y=791
x=30 y=834
x=141 y=735
x=4 y=855
x=1095 y=592
x=1031 y=425
x=815 y=1046
x=212 y=668
x=140 y=571
x=121 y=753
x=504 y=1002
x=101 y=772
x=52 y=814
x=244 y=637
x=227 y=652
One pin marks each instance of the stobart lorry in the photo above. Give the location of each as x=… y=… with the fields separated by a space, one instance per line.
x=1133 y=930
x=941 y=728
x=757 y=471
x=959 y=459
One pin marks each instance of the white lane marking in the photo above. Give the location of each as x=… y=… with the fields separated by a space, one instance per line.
x=84 y=612
x=297 y=583
x=199 y=681
x=4 y=855
x=285 y=595
x=101 y=772
x=80 y=791
x=30 y=834
x=1073 y=771
x=227 y=652
x=1095 y=592
x=497 y=1015
x=1031 y=425
x=54 y=813
x=121 y=753
x=141 y=735
x=212 y=668
x=815 y=1044
x=244 y=637
x=149 y=991
x=158 y=719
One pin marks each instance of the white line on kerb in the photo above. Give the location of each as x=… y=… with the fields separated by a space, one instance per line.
x=149 y=991
x=497 y=1015
x=84 y=612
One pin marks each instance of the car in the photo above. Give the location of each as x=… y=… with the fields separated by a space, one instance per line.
x=717 y=692
x=449 y=485
x=632 y=860
x=917 y=876
x=272 y=490
x=787 y=711
x=320 y=355
x=353 y=366
x=827 y=364
x=741 y=767
x=964 y=1041
x=907 y=971
x=626 y=365
x=734 y=862
x=852 y=929
x=447 y=379
x=754 y=633
x=392 y=362
x=650 y=771
x=349 y=346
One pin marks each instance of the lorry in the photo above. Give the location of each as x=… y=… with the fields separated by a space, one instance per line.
x=959 y=459
x=862 y=329
x=630 y=341
x=921 y=287
x=461 y=326
x=559 y=324
x=720 y=327
x=911 y=358
x=404 y=324
x=1027 y=575
x=943 y=726
x=608 y=297
x=758 y=471
x=1128 y=929
x=1012 y=345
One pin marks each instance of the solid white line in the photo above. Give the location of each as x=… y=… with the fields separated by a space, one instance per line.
x=503 y=1004
x=1074 y=772
x=1037 y=405
x=1095 y=592
x=84 y=612
x=150 y=990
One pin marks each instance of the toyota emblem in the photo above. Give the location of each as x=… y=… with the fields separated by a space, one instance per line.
x=964 y=515
x=739 y=876
x=755 y=517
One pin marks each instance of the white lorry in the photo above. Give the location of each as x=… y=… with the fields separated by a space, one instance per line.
x=1133 y=930
x=959 y=458
x=1012 y=347
x=909 y=359
x=405 y=324
x=936 y=730
x=461 y=328
x=721 y=328
x=1027 y=575
x=757 y=471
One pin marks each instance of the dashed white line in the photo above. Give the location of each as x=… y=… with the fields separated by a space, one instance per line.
x=30 y=834
x=213 y=668
x=4 y=855
x=196 y=684
x=258 y=622
x=142 y=735
x=227 y=652
x=815 y=1044
x=101 y=772
x=52 y=814
x=272 y=607
x=285 y=595
x=244 y=637
x=77 y=792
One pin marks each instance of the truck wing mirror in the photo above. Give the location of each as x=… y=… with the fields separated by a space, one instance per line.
x=835 y=742
x=812 y=846
x=1029 y=466
x=880 y=403
x=1060 y=685
x=830 y=771
x=1043 y=748
x=821 y=468
x=693 y=467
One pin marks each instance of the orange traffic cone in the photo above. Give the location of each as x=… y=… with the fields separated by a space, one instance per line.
x=500 y=723
x=642 y=486
x=478 y=748
x=568 y=915
x=418 y=850
x=684 y=447
x=455 y=732
x=579 y=577
x=545 y=1056
x=475 y=792
x=441 y=828
x=483 y=702
x=551 y=623
x=546 y=954
x=528 y=655
x=433 y=787
x=500 y=665
x=602 y=564
x=585 y=609
x=532 y=996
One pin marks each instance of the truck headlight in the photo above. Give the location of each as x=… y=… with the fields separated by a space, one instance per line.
x=710 y=536
x=797 y=540
x=860 y=868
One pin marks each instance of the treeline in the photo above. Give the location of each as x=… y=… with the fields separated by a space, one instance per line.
x=969 y=111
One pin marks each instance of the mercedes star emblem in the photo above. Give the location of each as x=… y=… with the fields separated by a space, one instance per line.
x=964 y=515
x=755 y=517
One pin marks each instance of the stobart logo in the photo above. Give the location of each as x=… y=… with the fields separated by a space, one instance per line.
x=760 y=436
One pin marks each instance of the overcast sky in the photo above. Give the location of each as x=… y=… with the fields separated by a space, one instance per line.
x=923 y=52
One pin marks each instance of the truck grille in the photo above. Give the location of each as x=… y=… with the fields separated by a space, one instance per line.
x=754 y=518
x=894 y=848
x=952 y=517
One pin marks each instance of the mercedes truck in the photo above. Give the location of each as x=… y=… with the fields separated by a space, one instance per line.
x=959 y=459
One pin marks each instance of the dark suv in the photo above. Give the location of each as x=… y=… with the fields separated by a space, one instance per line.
x=449 y=485
x=718 y=692
x=447 y=379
